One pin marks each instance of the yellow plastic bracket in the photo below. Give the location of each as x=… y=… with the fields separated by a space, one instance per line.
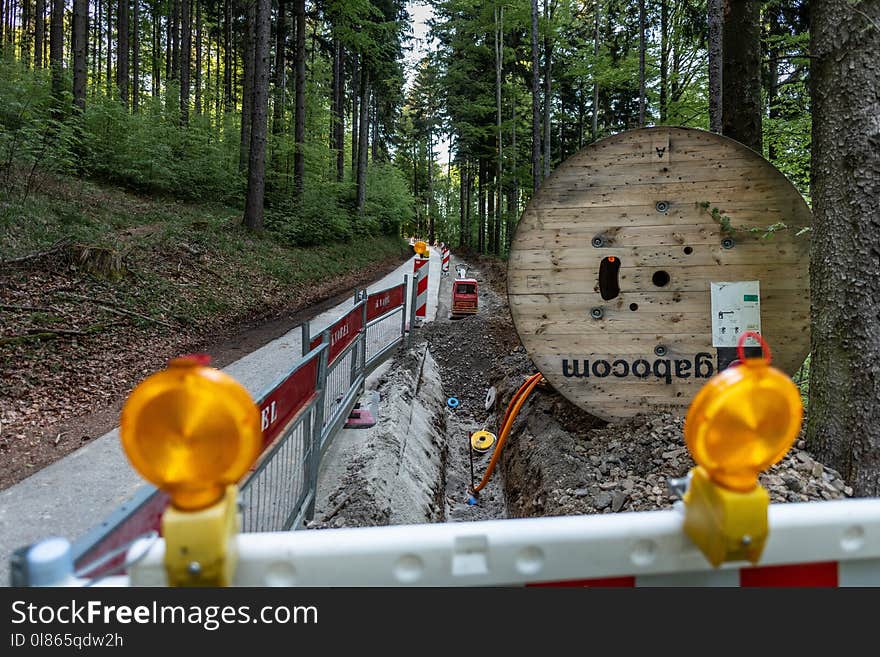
x=726 y=525
x=200 y=546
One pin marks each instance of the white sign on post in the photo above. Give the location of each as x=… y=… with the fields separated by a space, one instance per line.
x=736 y=308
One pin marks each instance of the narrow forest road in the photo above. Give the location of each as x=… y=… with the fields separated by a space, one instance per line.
x=77 y=492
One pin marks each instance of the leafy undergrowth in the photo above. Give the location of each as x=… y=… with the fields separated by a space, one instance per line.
x=99 y=288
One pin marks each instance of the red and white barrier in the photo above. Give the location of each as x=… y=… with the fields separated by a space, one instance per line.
x=810 y=544
x=445 y=267
x=420 y=273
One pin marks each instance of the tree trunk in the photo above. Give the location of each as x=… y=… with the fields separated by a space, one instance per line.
x=363 y=144
x=299 y=120
x=548 y=96
x=109 y=62
x=247 y=87
x=218 y=94
x=844 y=412
x=280 y=69
x=716 y=29
x=374 y=128
x=536 y=108
x=227 y=59
x=595 y=126
x=168 y=39
x=340 y=125
x=185 y=58
x=664 y=60
x=355 y=115
x=499 y=73
x=741 y=76
x=135 y=56
x=198 y=49
x=462 y=194
x=98 y=66
x=155 y=50
x=122 y=51
x=490 y=207
x=56 y=48
x=642 y=99
x=432 y=219
x=260 y=19
x=481 y=203
x=513 y=204
x=469 y=173
x=26 y=35
x=175 y=40
x=39 y=32
x=78 y=45
x=775 y=30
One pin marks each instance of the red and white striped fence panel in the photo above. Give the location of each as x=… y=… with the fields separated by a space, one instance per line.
x=445 y=267
x=420 y=274
x=833 y=543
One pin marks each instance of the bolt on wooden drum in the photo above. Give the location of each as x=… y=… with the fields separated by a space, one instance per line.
x=644 y=257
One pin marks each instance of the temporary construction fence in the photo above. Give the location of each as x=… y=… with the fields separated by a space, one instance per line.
x=301 y=414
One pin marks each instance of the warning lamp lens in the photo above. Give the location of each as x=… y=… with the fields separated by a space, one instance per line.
x=191 y=430
x=743 y=421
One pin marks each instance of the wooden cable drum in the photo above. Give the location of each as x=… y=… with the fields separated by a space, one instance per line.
x=641 y=260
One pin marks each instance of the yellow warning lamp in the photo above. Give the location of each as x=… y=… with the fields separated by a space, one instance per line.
x=191 y=430
x=481 y=441
x=741 y=422
x=421 y=248
x=194 y=431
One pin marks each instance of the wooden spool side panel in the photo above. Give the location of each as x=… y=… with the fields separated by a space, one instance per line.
x=657 y=200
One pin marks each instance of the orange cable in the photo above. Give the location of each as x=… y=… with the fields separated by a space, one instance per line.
x=509 y=417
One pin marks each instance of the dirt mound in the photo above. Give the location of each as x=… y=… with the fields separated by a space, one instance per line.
x=560 y=460
x=395 y=470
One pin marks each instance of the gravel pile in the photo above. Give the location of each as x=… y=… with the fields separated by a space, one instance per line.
x=626 y=467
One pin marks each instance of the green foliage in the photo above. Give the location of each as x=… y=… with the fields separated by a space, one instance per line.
x=318 y=219
x=389 y=201
x=33 y=138
x=326 y=215
x=151 y=152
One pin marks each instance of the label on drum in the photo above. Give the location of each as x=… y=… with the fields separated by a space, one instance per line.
x=736 y=308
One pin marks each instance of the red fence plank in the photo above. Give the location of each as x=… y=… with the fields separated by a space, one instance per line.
x=823 y=573
x=281 y=405
x=380 y=303
x=342 y=333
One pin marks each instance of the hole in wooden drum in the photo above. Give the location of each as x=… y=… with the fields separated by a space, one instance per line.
x=688 y=250
x=660 y=278
x=633 y=306
x=609 y=288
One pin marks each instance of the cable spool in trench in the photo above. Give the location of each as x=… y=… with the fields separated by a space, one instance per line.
x=482 y=441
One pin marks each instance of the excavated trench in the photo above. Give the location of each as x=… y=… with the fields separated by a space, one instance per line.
x=414 y=466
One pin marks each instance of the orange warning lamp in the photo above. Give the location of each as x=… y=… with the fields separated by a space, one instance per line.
x=421 y=248
x=742 y=421
x=191 y=430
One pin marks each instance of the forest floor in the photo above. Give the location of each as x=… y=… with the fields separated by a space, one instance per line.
x=99 y=287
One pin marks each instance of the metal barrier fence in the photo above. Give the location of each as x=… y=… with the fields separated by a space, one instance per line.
x=301 y=414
